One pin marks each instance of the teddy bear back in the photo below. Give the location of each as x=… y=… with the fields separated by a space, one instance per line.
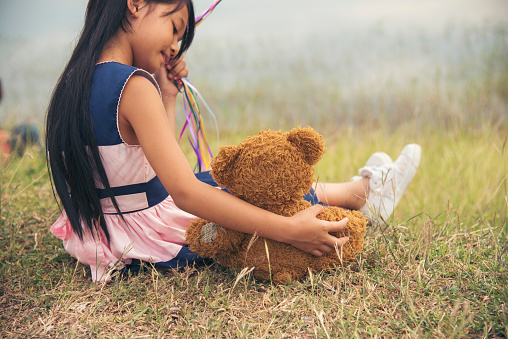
x=272 y=170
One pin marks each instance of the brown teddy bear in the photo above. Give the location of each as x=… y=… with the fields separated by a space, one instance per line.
x=272 y=170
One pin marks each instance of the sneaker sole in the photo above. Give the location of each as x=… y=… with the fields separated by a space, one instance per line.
x=414 y=153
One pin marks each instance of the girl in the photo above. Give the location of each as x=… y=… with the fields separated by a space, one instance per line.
x=127 y=190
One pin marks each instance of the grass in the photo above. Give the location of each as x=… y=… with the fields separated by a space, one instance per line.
x=438 y=269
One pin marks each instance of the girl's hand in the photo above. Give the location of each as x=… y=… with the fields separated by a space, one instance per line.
x=170 y=73
x=312 y=235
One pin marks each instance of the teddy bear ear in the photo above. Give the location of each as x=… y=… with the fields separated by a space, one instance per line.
x=222 y=164
x=309 y=142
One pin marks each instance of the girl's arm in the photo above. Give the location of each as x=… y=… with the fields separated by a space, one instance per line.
x=142 y=108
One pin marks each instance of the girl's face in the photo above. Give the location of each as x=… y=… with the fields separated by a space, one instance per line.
x=156 y=35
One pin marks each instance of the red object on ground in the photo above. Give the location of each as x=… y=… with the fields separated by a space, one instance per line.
x=5 y=147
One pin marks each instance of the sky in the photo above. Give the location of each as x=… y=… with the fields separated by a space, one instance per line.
x=247 y=18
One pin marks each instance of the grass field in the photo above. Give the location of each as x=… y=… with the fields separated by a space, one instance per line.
x=438 y=268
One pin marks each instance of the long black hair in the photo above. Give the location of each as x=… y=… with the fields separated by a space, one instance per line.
x=74 y=161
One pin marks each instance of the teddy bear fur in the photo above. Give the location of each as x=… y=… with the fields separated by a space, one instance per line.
x=273 y=170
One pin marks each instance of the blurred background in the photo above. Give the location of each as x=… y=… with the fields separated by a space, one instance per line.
x=277 y=64
x=369 y=75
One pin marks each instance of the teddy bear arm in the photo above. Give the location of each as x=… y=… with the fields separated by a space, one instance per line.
x=194 y=236
x=212 y=241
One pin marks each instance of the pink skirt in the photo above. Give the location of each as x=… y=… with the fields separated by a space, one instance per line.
x=153 y=235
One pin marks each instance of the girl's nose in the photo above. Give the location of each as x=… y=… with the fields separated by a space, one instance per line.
x=175 y=48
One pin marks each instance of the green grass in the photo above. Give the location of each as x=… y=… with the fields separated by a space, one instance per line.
x=438 y=269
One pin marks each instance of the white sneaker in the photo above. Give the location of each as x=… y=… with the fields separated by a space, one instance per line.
x=389 y=182
x=377 y=159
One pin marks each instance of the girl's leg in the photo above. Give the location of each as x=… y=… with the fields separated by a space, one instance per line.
x=349 y=195
x=378 y=190
x=353 y=194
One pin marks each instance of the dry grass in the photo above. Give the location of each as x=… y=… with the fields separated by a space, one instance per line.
x=436 y=270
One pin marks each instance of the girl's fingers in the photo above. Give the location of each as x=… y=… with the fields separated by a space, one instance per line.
x=333 y=243
x=177 y=75
x=325 y=248
x=316 y=233
x=177 y=70
x=179 y=66
x=337 y=226
x=315 y=209
x=341 y=242
x=317 y=253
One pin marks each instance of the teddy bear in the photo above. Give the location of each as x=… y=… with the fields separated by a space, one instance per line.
x=273 y=170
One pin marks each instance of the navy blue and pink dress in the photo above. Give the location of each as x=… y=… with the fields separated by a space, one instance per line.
x=154 y=228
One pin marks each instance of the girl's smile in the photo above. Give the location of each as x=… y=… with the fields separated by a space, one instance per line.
x=157 y=31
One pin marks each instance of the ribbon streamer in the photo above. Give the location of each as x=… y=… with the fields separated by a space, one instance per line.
x=194 y=122
x=206 y=13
